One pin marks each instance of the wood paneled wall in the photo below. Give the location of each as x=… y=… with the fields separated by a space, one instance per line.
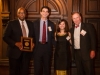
x=91 y=14
x=60 y=9
x=1 y=29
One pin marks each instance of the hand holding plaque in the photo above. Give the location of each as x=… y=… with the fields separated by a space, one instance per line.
x=27 y=44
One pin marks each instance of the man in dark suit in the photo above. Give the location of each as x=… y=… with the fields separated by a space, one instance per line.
x=18 y=60
x=83 y=36
x=44 y=38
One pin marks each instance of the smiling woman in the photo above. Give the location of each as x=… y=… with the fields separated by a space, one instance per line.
x=62 y=49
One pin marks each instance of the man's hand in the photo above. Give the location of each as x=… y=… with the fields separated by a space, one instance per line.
x=92 y=54
x=19 y=45
x=33 y=45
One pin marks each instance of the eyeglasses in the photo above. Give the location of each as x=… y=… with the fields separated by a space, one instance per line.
x=21 y=13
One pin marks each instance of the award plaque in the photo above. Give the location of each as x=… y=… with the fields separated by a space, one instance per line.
x=27 y=44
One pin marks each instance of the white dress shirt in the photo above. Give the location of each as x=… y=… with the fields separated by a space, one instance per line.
x=25 y=25
x=77 y=37
x=41 y=30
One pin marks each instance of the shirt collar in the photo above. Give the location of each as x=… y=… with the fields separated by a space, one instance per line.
x=43 y=20
x=21 y=20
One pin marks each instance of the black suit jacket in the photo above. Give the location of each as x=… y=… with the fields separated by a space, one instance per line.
x=13 y=34
x=87 y=42
x=50 y=34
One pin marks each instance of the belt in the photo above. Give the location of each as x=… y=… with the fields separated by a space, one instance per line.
x=43 y=43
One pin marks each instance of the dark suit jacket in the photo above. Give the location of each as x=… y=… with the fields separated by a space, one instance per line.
x=13 y=34
x=50 y=34
x=87 y=42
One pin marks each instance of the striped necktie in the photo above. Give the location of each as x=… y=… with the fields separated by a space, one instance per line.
x=23 y=30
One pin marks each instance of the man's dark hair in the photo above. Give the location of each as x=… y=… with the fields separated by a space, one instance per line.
x=46 y=7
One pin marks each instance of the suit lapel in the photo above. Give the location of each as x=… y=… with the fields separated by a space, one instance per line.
x=73 y=33
x=82 y=27
x=28 y=27
x=38 y=29
x=48 y=32
x=19 y=26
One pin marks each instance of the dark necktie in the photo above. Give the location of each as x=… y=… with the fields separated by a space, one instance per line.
x=44 y=33
x=23 y=30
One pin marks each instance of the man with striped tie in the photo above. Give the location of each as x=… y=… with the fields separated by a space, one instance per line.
x=18 y=59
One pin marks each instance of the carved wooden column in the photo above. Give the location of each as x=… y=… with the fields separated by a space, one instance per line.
x=4 y=15
x=4 y=18
x=5 y=11
x=76 y=5
x=0 y=30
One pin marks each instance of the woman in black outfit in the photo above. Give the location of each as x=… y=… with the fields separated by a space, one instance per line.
x=62 y=50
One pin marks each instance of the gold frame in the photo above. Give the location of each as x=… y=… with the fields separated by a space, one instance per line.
x=27 y=44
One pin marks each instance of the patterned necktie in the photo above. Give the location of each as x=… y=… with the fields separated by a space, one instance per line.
x=44 y=33
x=23 y=30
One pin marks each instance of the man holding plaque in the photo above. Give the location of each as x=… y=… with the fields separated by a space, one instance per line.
x=44 y=38
x=19 y=30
